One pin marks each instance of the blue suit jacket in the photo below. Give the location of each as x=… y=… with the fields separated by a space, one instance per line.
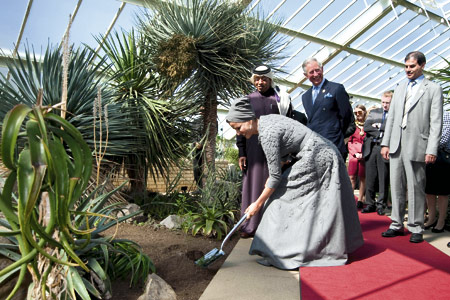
x=331 y=113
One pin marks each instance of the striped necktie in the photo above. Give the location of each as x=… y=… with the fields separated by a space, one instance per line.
x=408 y=100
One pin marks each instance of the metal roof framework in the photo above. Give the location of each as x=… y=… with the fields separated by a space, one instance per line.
x=361 y=43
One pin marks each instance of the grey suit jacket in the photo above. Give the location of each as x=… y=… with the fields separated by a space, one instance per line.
x=424 y=125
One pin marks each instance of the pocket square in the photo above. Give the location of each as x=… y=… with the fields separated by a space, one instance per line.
x=328 y=95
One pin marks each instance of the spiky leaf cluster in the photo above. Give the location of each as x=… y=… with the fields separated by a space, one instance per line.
x=227 y=42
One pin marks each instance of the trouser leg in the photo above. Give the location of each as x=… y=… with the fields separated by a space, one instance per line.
x=415 y=177
x=383 y=180
x=371 y=178
x=398 y=190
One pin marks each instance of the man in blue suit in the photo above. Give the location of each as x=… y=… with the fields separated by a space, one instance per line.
x=327 y=106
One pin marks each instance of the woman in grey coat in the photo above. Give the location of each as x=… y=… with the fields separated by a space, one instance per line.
x=309 y=215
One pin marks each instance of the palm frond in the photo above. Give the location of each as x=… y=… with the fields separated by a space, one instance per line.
x=139 y=92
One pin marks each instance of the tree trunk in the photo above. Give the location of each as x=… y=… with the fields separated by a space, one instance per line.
x=138 y=179
x=210 y=128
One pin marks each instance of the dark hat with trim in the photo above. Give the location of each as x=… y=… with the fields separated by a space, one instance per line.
x=262 y=70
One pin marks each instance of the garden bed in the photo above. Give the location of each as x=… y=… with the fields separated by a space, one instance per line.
x=173 y=253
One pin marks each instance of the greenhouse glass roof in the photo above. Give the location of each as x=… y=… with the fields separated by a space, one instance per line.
x=362 y=43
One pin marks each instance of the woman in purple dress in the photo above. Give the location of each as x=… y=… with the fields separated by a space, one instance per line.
x=266 y=100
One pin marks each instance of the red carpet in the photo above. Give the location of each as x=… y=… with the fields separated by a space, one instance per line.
x=383 y=268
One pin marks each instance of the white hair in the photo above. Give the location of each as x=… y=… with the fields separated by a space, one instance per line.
x=310 y=60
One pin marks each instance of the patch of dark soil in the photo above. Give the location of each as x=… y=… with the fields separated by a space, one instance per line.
x=173 y=253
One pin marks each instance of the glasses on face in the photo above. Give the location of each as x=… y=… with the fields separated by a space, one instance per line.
x=358 y=112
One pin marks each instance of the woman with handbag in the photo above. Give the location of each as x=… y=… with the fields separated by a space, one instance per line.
x=437 y=187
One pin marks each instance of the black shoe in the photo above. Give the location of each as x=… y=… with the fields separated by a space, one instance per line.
x=437 y=230
x=430 y=226
x=416 y=238
x=369 y=209
x=380 y=211
x=392 y=233
x=359 y=204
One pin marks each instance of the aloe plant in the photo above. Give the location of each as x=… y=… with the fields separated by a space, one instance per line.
x=54 y=228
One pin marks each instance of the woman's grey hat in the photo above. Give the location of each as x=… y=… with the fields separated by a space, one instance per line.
x=240 y=111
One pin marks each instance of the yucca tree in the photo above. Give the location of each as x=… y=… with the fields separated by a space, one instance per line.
x=207 y=48
x=162 y=120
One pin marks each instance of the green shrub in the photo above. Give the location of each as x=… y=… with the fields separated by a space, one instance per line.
x=232 y=156
x=173 y=202
x=218 y=204
x=210 y=221
x=159 y=206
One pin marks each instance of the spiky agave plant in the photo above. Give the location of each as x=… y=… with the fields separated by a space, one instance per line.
x=53 y=225
x=33 y=72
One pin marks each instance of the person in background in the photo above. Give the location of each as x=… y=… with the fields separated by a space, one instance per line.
x=438 y=187
x=356 y=169
x=267 y=99
x=327 y=106
x=410 y=142
x=309 y=216
x=377 y=168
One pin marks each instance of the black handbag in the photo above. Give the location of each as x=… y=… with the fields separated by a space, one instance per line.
x=443 y=156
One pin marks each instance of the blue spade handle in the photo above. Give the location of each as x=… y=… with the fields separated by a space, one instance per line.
x=233 y=230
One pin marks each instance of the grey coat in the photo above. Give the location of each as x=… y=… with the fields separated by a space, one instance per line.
x=311 y=218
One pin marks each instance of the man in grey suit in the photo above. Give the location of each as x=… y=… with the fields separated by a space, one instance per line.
x=377 y=168
x=411 y=141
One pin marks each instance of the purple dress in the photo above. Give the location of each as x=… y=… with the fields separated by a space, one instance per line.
x=257 y=171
